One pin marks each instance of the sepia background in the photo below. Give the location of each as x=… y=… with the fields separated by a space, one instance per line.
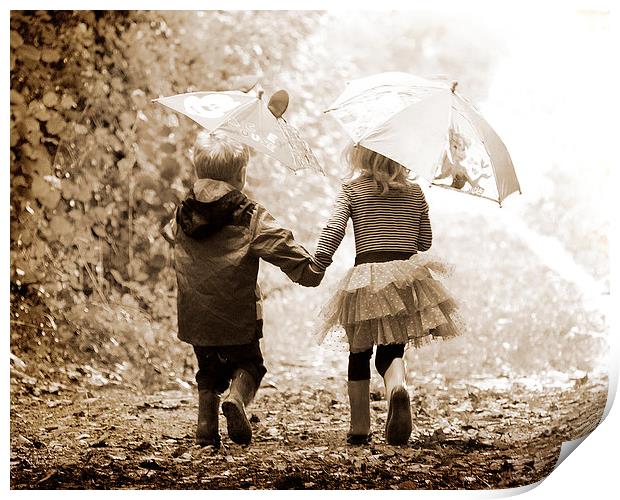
x=102 y=393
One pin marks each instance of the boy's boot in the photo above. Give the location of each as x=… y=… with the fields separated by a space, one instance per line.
x=398 y=424
x=359 y=401
x=207 y=432
x=242 y=390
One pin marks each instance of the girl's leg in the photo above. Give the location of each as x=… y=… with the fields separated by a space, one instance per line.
x=386 y=354
x=390 y=365
x=359 y=396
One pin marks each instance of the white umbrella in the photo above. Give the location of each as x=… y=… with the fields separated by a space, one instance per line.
x=426 y=126
x=245 y=117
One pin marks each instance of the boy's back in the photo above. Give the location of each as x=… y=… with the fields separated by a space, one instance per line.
x=220 y=238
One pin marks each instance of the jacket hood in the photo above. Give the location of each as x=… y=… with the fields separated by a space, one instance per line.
x=209 y=190
x=209 y=208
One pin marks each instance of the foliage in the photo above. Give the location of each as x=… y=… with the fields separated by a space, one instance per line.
x=96 y=167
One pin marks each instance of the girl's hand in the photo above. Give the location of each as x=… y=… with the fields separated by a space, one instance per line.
x=311 y=276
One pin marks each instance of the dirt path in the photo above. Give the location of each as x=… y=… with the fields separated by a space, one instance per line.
x=463 y=438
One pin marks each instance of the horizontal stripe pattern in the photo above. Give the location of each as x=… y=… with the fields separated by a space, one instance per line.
x=397 y=221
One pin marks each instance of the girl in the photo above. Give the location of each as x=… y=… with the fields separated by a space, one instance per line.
x=389 y=299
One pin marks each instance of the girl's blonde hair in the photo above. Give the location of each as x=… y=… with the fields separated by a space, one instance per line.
x=386 y=173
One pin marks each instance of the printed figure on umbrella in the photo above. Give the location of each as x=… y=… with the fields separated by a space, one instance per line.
x=460 y=170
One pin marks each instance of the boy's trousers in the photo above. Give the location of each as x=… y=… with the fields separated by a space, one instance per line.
x=217 y=364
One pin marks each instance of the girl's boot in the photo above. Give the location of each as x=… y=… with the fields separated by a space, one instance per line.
x=398 y=425
x=359 y=400
x=242 y=390
x=207 y=432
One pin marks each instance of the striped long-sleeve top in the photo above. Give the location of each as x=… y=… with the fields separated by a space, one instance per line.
x=397 y=221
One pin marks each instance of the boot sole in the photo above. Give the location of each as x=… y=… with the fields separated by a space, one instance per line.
x=398 y=426
x=206 y=441
x=359 y=439
x=239 y=429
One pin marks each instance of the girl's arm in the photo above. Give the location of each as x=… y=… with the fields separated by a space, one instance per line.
x=334 y=230
x=425 y=233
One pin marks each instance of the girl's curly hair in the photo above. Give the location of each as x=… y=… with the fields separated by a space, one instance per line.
x=386 y=173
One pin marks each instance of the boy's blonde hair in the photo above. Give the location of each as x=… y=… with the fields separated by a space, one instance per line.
x=217 y=156
x=386 y=173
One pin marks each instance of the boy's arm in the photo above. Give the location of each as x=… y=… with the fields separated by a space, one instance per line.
x=277 y=246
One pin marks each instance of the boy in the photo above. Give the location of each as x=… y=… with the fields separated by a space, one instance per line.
x=219 y=237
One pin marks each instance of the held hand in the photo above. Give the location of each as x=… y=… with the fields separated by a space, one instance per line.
x=311 y=276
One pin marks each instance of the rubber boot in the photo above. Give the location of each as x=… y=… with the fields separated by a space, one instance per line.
x=207 y=431
x=359 y=401
x=242 y=390
x=398 y=425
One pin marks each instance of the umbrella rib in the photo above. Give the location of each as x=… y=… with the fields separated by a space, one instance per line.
x=158 y=99
x=394 y=114
x=365 y=92
x=377 y=125
x=234 y=113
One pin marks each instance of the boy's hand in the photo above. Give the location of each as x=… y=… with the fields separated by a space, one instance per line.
x=311 y=275
x=167 y=232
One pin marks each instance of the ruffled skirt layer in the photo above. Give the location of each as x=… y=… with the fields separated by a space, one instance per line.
x=395 y=302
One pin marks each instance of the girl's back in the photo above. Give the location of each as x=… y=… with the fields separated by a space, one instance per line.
x=396 y=221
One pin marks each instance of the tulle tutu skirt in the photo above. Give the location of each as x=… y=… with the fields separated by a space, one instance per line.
x=395 y=302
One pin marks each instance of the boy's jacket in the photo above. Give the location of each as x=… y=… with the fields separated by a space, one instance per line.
x=199 y=219
x=220 y=237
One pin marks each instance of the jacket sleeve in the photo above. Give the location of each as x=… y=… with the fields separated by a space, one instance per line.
x=425 y=232
x=334 y=231
x=276 y=245
x=169 y=229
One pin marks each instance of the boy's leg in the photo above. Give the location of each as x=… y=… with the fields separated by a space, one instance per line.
x=212 y=379
x=249 y=369
x=359 y=396
x=390 y=365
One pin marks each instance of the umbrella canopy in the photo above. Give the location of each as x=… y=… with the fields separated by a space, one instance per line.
x=247 y=119
x=424 y=125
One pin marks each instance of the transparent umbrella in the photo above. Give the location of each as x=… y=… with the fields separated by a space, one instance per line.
x=426 y=126
x=245 y=117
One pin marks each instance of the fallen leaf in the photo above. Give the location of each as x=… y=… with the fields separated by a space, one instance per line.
x=50 y=55
x=50 y=99
x=151 y=464
x=406 y=485
x=101 y=442
x=48 y=476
